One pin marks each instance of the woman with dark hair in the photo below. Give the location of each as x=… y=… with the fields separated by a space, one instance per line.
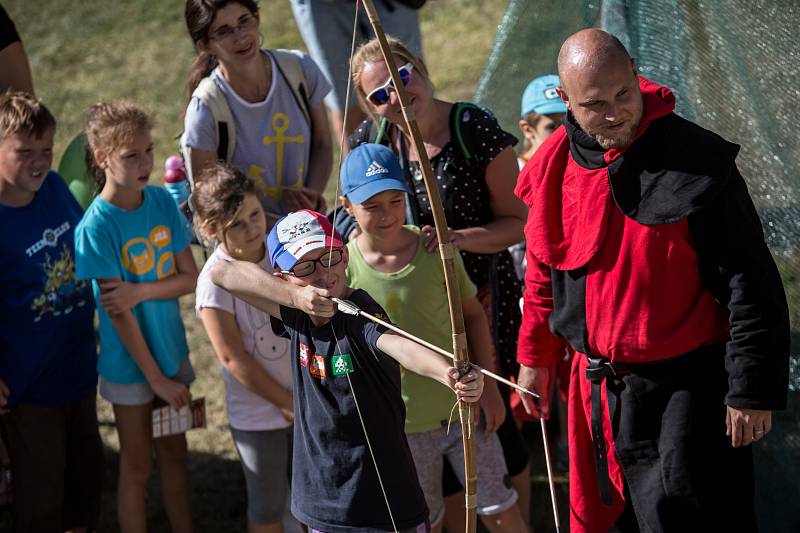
x=476 y=170
x=260 y=110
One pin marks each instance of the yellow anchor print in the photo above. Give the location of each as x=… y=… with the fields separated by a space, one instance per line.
x=257 y=173
x=280 y=123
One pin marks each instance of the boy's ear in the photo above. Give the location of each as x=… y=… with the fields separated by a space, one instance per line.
x=101 y=157
x=525 y=128
x=347 y=205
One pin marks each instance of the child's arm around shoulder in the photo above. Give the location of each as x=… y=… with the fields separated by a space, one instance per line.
x=426 y=362
x=118 y=296
x=268 y=292
x=226 y=338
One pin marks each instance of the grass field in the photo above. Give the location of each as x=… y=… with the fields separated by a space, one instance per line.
x=83 y=51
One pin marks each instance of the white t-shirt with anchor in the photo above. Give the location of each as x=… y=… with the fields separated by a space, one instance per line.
x=246 y=410
x=272 y=136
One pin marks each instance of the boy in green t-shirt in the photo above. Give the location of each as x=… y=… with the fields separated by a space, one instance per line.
x=389 y=260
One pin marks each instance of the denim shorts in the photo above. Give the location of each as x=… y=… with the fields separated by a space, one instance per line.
x=141 y=393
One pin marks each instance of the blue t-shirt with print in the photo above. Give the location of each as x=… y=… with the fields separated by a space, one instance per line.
x=273 y=137
x=137 y=246
x=47 y=345
x=334 y=484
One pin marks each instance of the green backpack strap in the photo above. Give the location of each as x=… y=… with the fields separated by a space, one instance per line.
x=460 y=115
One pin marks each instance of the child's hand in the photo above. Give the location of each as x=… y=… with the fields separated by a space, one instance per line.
x=493 y=409
x=172 y=392
x=469 y=387
x=4 y=394
x=314 y=301
x=119 y=296
x=305 y=198
x=432 y=244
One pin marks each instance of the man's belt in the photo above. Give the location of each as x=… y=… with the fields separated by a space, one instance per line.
x=597 y=371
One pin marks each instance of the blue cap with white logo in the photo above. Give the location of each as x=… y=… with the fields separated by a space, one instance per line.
x=371 y=169
x=540 y=96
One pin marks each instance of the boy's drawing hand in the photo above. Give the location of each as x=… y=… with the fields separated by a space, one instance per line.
x=172 y=392
x=432 y=244
x=493 y=409
x=469 y=387
x=4 y=394
x=314 y=301
x=119 y=296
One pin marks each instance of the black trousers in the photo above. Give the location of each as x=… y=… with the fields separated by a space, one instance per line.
x=681 y=471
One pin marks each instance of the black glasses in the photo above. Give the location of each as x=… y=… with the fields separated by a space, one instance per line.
x=227 y=33
x=306 y=268
x=380 y=95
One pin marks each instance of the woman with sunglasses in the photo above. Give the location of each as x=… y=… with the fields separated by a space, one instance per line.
x=279 y=125
x=476 y=171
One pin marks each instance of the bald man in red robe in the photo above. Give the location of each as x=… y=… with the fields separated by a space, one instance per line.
x=647 y=258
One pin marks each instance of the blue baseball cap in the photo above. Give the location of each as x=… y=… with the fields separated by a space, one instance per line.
x=298 y=233
x=540 y=96
x=371 y=169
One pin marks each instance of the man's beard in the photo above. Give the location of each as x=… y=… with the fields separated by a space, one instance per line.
x=620 y=141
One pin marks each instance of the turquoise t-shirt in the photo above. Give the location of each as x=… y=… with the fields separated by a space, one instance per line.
x=415 y=298
x=138 y=246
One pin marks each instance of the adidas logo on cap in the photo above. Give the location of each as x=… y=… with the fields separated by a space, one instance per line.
x=376 y=168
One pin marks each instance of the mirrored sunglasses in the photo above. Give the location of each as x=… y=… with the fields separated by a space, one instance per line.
x=380 y=95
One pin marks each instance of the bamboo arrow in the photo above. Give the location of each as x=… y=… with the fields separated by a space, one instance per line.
x=446 y=250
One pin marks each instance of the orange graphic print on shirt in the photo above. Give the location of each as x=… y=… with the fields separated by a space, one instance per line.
x=140 y=255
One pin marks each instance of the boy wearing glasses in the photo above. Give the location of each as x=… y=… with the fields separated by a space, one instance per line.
x=352 y=468
x=389 y=260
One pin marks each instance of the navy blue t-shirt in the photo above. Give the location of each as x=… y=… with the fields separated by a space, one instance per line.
x=47 y=343
x=334 y=484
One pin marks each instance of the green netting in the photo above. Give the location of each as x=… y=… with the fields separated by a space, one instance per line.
x=733 y=66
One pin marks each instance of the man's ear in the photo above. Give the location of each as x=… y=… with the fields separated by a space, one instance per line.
x=564 y=97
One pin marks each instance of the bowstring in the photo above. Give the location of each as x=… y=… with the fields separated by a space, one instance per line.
x=366 y=436
x=330 y=252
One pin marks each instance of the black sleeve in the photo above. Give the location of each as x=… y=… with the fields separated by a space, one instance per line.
x=361 y=135
x=342 y=222
x=288 y=316
x=367 y=329
x=483 y=135
x=738 y=269
x=8 y=33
